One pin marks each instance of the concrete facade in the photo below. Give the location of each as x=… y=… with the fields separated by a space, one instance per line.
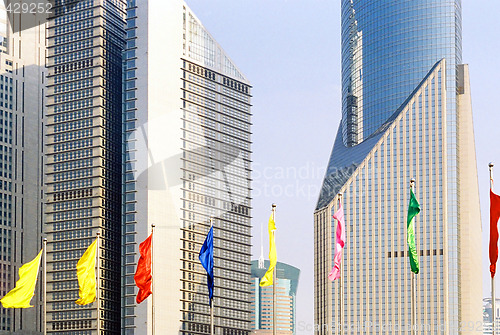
x=22 y=106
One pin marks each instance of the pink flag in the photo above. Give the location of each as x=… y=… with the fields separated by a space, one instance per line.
x=339 y=243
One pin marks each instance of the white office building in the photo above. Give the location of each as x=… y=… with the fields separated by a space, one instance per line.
x=187 y=158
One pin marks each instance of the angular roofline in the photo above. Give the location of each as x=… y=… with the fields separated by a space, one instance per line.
x=343 y=173
x=244 y=79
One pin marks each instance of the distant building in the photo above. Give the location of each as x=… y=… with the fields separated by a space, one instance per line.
x=261 y=306
x=488 y=316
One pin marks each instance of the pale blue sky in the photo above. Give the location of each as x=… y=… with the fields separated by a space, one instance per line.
x=290 y=51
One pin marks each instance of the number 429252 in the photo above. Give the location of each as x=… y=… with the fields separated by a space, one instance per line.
x=32 y=8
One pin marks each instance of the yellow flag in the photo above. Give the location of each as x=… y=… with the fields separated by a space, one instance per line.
x=267 y=280
x=20 y=296
x=85 y=271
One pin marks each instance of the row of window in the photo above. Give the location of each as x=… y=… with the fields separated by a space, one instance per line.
x=65 y=205
x=73 y=125
x=82 y=213
x=71 y=314
x=63 y=12
x=81 y=104
x=64 y=29
x=73 y=175
x=77 y=75
x=75 y=85
x=72 y=155
x=73 y=164
x=73 y=145
x=83 y=64
x=79 y=35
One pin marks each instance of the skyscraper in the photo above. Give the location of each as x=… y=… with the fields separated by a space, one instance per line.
x=85 y=41
x=187 y=159
x=22 y=76
x=406 y=113
x=287 y=281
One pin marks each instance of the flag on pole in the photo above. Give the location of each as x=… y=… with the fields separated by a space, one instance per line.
x=413 y=210
x=494 y=216
x=20 y=296
x=339 y=243
x=85 y=271
x=267 y=280
x=207 y=260
x=143 y=276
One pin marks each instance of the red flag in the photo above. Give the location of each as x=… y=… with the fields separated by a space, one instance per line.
x=494 y=216
x=143 y=276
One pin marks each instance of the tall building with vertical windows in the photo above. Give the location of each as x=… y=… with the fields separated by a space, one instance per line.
x=22 y=78
x=85 y=41
x=187 y=159
x=406 y=113
x=261 y=299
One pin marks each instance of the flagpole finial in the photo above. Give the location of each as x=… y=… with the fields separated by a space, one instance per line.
x=491 y=174
x=45 y=239
x=274 y=206
x=98 y=231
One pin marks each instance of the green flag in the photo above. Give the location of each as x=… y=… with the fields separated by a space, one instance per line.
x=413 y=209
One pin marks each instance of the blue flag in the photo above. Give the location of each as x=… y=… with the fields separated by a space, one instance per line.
x=207 y=260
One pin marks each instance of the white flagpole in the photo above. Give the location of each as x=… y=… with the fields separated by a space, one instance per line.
x=97 y=281
x=275 y=316
x=212 y=307
x=413 y=281
x=152 y=280
x=44 y=286
x=490 y=165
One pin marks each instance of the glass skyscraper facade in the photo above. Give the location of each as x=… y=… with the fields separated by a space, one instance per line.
x=83 y=169
x=405 y=114
x=387 y=49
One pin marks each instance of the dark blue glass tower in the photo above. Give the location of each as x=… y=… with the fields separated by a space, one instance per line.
x=387 y=49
